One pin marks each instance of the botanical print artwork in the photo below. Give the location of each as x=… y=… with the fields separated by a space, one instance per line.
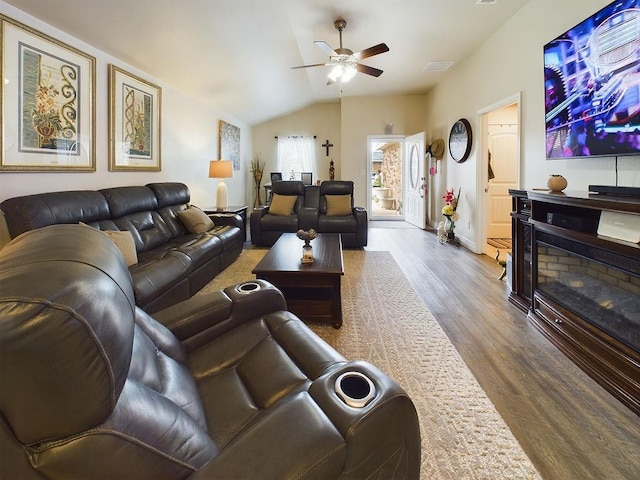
x=134 y=122
x=49 y=110
x=230 y=143
x=137 y=109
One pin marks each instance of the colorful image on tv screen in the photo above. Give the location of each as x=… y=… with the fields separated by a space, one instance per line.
x=592 y=85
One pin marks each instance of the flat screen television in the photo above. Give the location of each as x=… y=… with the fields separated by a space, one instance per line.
x=592 y=85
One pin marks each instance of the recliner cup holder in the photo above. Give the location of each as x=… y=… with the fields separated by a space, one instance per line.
x=355 y=389
x=248 y=287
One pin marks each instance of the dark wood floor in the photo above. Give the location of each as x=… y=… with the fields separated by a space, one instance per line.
x=567 y=424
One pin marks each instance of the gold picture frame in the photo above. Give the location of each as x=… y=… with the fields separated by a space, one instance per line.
x=135 y=109
x=48 y=103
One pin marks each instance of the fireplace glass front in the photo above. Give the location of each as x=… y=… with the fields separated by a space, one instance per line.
x=598 y=286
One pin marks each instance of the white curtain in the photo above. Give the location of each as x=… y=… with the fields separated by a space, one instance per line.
x=295 y=155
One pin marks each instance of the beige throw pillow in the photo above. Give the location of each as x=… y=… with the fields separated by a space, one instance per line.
x=338 y=205
x=195 y=220
x=125 y=243
x=282 y=204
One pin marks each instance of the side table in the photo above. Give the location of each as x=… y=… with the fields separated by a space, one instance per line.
x=237 y=209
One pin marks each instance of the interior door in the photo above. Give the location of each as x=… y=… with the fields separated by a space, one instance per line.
x=415 y=199
x=503 y=144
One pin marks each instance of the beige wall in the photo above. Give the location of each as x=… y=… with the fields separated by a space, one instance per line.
x=346 y=125
x=508 y=64
x=363 y=116
x=321 y=120
x=189 y=139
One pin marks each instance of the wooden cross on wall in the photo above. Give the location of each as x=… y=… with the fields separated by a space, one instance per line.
x=327 y=145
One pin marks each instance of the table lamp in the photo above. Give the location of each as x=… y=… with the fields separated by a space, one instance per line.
x=221 y=169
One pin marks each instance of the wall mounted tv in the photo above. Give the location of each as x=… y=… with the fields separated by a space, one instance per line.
x=592 y=85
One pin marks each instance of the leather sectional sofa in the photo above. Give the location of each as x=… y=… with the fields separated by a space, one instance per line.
x=227 y=385
x=311 y=207
x=171 y=263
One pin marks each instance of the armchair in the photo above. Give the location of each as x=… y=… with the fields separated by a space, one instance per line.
x=336 y=214
x=281 y=215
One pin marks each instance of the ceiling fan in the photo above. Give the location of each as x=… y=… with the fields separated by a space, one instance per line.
x=344 y=61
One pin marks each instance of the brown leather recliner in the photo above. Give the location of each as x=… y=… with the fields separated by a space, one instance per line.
x=229 y=386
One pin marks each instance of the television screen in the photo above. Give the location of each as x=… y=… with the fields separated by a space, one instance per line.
x=592 y=85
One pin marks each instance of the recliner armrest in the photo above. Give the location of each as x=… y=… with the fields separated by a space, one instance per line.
x=227 y=219
x=201 y=318
x=388 y=425
x=308 y=218
x=254 y=221
x=362 y=232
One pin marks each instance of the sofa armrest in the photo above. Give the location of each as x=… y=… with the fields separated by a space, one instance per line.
x=362 y=231
x=254 y=221
x=388 y=424
x=308 y=218
x=227 y=219
x=201 y=318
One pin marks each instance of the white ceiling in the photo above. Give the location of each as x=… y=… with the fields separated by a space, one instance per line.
x=236 y=55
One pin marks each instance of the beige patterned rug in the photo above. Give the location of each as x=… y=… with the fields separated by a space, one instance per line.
x=386 y=323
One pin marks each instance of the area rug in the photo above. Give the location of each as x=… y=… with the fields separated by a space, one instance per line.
x=386 y=323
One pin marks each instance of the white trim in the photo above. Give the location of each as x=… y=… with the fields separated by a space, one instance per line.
x=482 y=161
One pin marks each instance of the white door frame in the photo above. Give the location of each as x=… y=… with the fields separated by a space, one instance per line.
x=390 y=138
x=482 y=176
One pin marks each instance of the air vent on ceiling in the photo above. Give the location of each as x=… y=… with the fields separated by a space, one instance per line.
x=486 y=2
x=437 y=66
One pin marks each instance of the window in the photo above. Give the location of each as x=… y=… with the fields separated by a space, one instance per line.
x=296 y=155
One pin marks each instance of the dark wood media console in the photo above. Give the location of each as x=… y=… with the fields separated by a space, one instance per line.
x=583 y=293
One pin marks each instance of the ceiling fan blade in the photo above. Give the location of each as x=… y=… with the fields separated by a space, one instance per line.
x=324 y=46
x=368 y=70
x=371 y=51
x=313 y=65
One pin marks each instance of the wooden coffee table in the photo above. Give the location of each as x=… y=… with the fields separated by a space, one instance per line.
x=312 y=290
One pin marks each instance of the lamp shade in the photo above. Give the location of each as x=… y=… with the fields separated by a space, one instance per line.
x=220 y=169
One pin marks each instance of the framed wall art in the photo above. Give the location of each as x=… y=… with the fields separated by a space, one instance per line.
x=135 y=106
x=229 y=144
x=48 y=103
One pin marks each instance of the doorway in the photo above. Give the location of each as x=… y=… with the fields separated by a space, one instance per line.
x=500 y=173
x=385 y=155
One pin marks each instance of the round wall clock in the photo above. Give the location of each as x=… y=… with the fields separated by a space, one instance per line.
x=460 y=140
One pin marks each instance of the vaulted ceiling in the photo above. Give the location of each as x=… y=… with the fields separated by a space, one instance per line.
x=236 y=55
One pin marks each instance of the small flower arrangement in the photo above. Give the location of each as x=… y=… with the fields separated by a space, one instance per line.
x=451 y=204
x=445 y=229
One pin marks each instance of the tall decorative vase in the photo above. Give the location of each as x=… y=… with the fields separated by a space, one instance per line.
x=257 y=201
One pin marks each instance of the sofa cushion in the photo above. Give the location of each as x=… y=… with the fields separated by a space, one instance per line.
x=158 y=271
x=338 y=205
x=341 y=224
x=279 y=223
x=126 y=245
x=282 y=204
x=195 y=220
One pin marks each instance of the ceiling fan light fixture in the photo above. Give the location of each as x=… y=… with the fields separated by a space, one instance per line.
x=342 y=72
x=348 y=73
x=336 y=72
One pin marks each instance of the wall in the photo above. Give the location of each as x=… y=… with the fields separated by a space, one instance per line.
x=363 y=116
x=508 y=63
x=321 y=120
x=346 y=124
x=189 y=139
